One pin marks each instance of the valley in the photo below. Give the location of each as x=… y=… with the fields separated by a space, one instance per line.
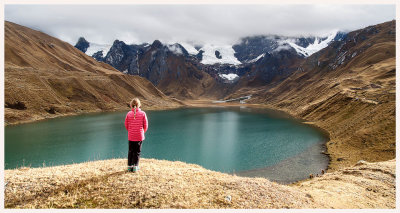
x=346 y=88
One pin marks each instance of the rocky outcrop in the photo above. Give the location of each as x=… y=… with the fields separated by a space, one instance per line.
x=98 y=56
x=82 y=44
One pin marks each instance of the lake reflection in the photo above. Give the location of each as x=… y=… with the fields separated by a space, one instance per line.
x=232 y=140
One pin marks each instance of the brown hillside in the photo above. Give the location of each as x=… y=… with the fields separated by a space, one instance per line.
x=347 y=89
x=46 y=77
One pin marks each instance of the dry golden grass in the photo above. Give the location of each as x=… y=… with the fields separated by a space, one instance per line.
x=365 y=185
x=166 y=184
x=158 y=184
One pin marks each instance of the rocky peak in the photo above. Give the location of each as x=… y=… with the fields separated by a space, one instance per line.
x=156 y=44
x=118 y=44
x=82 y=44
x=116 y=54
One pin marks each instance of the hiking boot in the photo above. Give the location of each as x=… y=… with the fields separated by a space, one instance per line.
x=135 y=168
x=130 y=168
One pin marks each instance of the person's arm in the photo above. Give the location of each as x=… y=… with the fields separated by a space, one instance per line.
x=126 y=122
x=145 y=123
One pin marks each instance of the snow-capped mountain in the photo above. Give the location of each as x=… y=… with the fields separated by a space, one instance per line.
x=262 y=56
x=251 y=49
x=247 y=51
x=317 y=45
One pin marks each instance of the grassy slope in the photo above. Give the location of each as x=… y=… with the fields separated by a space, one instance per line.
x=45 y=77
x=355 y=102
x=166 y=184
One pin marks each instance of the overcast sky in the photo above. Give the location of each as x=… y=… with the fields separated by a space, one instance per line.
x=198 y=24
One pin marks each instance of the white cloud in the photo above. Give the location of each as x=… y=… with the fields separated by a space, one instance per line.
x=195 y=24
x=175 y=49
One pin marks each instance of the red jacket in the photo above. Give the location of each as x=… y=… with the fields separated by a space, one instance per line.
x=136 y=126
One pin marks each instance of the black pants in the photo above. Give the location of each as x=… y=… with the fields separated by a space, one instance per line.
x=135 y=147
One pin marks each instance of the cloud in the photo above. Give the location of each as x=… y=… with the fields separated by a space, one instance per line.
x=196 y=24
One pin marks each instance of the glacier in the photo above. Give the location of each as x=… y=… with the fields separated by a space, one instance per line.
x=226 y=51
x=318 y=45
x=189 y=48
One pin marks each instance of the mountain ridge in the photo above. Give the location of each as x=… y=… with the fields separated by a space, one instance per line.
x=217 y=61
x=264 y=44
x=46 y=77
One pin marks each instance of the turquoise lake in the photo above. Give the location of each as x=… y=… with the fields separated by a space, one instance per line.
x=243 y=141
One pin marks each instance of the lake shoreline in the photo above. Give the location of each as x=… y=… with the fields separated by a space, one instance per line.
x=330 y=190
x=287 y=176
x=267 y=132
x=206 y=104
x=38 y=118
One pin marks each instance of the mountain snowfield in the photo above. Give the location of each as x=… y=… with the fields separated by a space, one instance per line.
x=230 y=76
x=318 y=45
x=209 y=55
x=190 y=48
x=227 y=53
x=94 y=48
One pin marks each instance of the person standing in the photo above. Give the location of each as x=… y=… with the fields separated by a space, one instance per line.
x=136 y=124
